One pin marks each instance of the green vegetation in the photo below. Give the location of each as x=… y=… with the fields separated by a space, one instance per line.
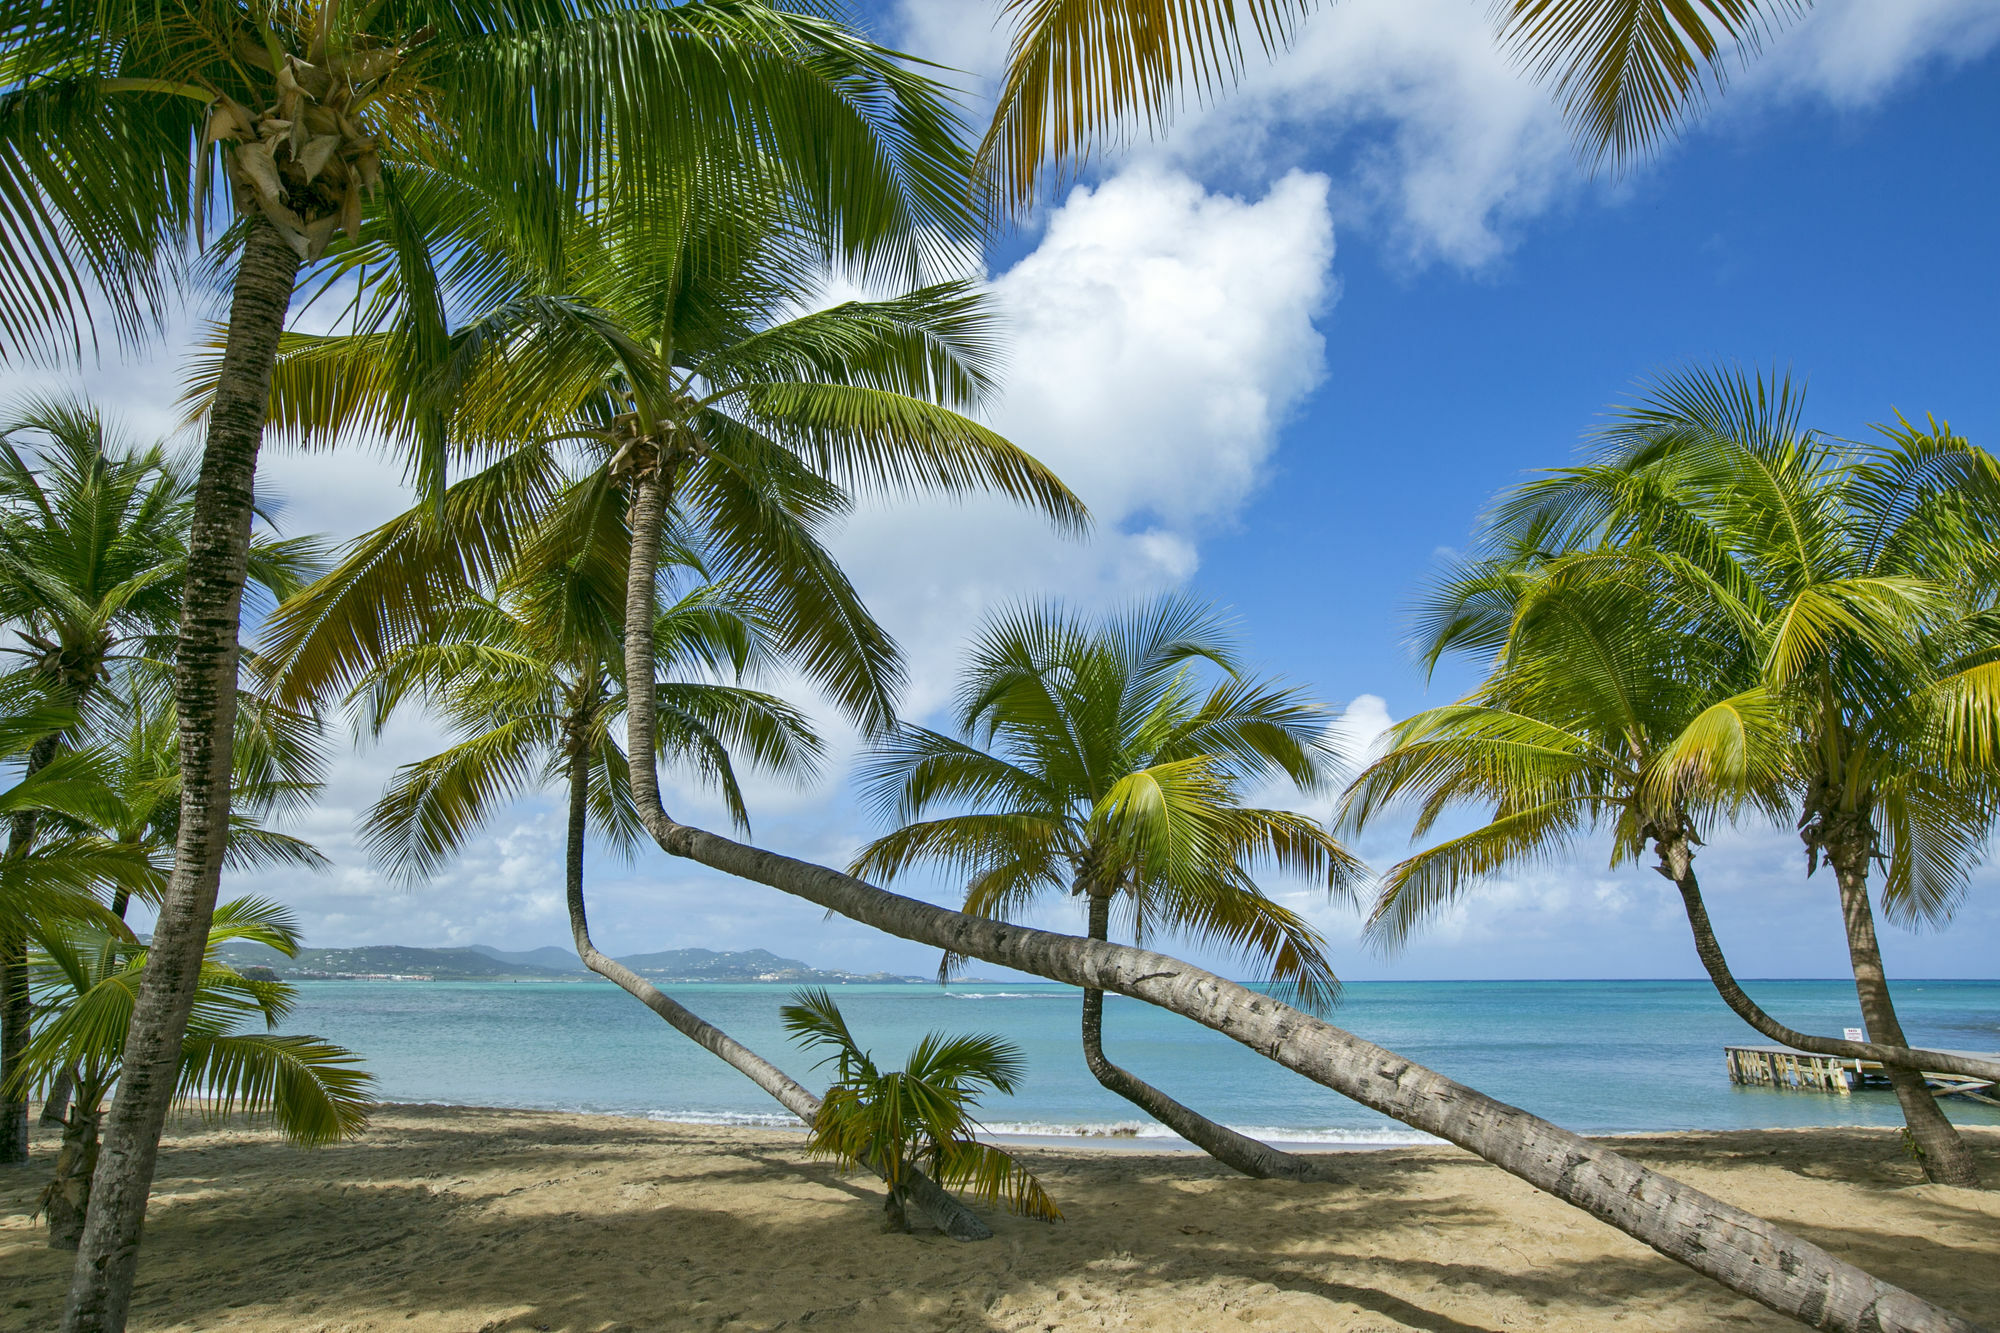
x=893 y=1120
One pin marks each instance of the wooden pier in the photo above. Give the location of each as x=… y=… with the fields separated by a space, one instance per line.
x=1802 y=1071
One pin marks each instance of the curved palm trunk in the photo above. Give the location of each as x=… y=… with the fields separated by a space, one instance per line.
x=205 y=694
x=66 y=1201
x=16 y=1010
x=1677 y=864
x=1741 y=1251
x=1936 y=1144
x=1237 y=1151
x=946 y=1212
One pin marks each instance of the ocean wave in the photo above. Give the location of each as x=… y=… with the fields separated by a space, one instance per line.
x=1009 y=994
x=1149 y=1130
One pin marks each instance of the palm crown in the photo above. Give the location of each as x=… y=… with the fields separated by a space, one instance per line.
x=1096 y=762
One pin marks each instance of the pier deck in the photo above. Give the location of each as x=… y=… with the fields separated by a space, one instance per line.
x=1802 y=1071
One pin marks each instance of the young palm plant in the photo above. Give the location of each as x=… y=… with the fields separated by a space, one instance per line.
x=325 y=118
x=1827 y=600
x=87 y=980
x=1093 y=761
x=896 y=1120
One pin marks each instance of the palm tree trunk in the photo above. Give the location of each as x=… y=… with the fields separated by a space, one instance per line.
x=17 y=1013
x=1236 y=1151
x=950 y=1216
x=67 y=1199
x=1741 y=1251
x=1677 y=864
x=205 y=694
x=1936 y=1144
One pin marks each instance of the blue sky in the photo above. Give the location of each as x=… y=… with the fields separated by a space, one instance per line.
x=1287 y=356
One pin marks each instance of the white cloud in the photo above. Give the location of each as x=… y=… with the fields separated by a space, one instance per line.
x=1852 y=53
x=1160 y=335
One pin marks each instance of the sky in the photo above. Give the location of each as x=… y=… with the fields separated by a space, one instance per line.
x=1287 y=354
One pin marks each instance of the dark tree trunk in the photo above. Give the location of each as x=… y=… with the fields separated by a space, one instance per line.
x=205 y=694
x=1237 y=1151
x=66 y=1202
x=16 y=1010
x=950 y=1216
x=1936 y=1144
x=1677 y=864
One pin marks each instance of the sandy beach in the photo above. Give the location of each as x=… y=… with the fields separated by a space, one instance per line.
x=449 y=1220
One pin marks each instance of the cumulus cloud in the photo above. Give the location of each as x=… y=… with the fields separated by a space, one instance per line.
x=1160 y=336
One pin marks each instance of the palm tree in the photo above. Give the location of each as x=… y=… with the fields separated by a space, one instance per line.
x=1844 y=595
x=891 y=1120
x=530 y=680
x=1605 y=708
x=1093 y=761
x=93 y=545
x=88 y=979
x=321 y=125
x=1627 y=72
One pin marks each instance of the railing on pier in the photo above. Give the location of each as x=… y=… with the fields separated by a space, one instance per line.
x=1802 y=1071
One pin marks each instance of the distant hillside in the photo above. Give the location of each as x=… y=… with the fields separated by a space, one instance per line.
x=485 y=963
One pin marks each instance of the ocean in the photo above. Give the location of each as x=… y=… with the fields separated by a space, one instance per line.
x=1602 y=1057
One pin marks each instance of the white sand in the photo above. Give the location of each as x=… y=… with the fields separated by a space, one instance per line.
x=475 y=1221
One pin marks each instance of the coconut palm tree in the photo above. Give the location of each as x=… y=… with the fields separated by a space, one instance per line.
x=324 y=119
x=1838 y=599
x=892 y=1120
x=1605 y=708
x=1093 y=761
x=93 y=545
x=87 y=978
x=1080 y=72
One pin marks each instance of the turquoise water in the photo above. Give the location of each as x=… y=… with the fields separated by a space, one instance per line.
x=1600 y=1057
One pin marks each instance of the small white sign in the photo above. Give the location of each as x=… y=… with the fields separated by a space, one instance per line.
x=1855 y=1034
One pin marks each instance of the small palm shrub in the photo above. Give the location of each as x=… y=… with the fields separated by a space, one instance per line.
x=917 y=1117
x=86 y=979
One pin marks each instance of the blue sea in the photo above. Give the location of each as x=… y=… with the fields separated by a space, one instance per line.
x=1595 y=1056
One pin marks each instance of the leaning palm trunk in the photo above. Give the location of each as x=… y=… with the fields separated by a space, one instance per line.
x=946 y=1212
x=1677 y=864
x=1933 y=1140
x=205 y=697
x=1741 y=1251
x=1237 y=1151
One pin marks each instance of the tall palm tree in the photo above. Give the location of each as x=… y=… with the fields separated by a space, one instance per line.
x=530 y=679
x=1843 y=593
x=323 y=119
x=93 y=546
x=1079 y=72
x=1094 y=761
x=88 y=978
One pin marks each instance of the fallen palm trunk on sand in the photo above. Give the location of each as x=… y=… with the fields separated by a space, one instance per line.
x=1741 y=1251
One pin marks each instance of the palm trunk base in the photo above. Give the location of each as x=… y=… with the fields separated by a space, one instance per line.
x=1239 y=1152
x=1933 y=1140
x=15 y=1017
x=67 y=1199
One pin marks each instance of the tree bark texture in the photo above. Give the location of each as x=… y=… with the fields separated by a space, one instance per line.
x=1677 y=864
x=949 y=1215
x=66 y=1202
x=205 y=695
x=1939 y=1149
x=1239 y=1152
x=17 y=1012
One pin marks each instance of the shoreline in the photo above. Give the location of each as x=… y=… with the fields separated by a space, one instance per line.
x=465 y=1220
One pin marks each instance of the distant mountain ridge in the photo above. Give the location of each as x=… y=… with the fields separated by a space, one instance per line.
x=482 y=962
